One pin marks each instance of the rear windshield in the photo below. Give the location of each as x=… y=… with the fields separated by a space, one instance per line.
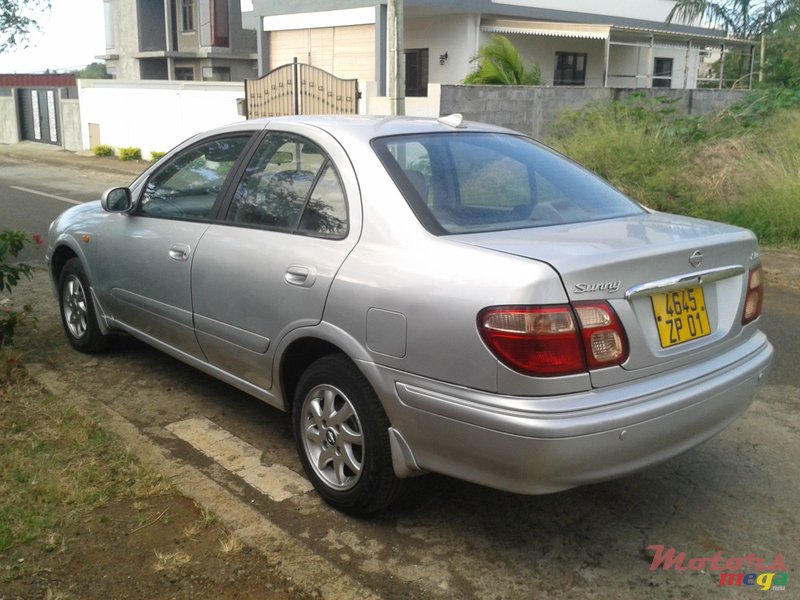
x=473 y=182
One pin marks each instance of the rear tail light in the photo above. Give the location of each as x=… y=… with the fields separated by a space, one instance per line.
x=554 y=340
x=603 y=338
x=754 y=298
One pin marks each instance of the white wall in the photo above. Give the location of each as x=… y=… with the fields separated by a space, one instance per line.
x=648 y=10
x=9 y=120
x=155 y=115
x=454 y=34
x=425 y=106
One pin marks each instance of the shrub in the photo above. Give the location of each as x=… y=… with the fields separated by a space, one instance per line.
x=130 y=153
x=739 y=165
x=11 y=244
x=103 y=150
x=155 y=155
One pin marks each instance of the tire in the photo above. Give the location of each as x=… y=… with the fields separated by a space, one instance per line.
x=78 y=315
x=341 y=432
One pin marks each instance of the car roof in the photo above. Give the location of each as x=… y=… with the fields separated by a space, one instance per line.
x=368 y=127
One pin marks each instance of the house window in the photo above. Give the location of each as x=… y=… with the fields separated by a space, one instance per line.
x=216 y=73
x=108 y=16
x=417 y=72
x=214 y=27
x=570 y=68
x=662 y=73
x=187 y=15
x=184 y=73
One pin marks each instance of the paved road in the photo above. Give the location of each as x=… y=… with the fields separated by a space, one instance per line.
x=737 y=494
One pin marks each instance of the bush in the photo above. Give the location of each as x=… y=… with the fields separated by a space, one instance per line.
x=739 y=165
x=11 y=244
x=103 y=150
x=155 y=155
x=130 y=153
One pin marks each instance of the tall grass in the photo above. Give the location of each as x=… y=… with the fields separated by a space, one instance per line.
x=740 y=166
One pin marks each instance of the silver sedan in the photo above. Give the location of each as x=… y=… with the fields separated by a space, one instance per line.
x=424 y=296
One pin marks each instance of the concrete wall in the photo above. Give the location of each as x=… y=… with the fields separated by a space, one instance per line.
x=532 y=110
x=71 y=138
x=154 y=115
x=9 y=122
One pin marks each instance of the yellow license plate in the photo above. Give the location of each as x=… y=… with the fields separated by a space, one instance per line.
x=680 y=316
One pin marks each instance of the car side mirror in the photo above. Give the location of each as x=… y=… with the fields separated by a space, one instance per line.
x=117 y=200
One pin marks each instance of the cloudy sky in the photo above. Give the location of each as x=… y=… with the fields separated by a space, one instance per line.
x=72 y=35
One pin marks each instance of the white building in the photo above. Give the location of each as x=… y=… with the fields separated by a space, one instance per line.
x=614 y=43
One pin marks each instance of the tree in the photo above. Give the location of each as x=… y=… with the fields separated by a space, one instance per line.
x=17 y=22
x=500 y=63
x=782 y=60
x=94 y=70
x=745 y=19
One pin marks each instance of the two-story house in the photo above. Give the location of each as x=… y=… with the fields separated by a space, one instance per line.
x=200 y=40
x=615 y=43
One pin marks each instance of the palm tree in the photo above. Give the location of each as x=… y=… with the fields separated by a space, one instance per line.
x=743 y=19
x=500 y=63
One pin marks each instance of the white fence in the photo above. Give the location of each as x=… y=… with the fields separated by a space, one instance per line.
x=153 y=115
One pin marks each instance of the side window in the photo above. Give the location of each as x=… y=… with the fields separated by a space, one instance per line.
x=326 y=212
x=291 y=185
x=188 y=186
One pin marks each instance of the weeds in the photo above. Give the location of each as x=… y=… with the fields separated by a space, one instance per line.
x=55 y=463
x=740 y=165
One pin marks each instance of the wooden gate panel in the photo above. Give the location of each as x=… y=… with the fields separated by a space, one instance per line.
x=300 y=89
x=272 y=95
x=324 y=94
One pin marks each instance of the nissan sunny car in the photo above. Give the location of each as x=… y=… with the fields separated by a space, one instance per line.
x=424 y=296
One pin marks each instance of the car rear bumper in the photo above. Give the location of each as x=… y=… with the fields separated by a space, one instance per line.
x=526 y=445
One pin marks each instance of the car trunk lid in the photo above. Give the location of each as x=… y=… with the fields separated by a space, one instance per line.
x=635 y=264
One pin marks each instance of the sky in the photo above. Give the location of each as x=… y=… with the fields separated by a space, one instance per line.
x=72 y=35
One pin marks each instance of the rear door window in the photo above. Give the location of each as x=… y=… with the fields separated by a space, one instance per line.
x=290 y=184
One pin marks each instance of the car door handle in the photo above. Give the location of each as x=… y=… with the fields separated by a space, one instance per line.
x=179 y=252
x=300 y=276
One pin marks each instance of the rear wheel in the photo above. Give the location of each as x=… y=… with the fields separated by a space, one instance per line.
x=341 y=431
x=77 y=310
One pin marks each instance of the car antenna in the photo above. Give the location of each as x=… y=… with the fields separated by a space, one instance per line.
x=454 y=120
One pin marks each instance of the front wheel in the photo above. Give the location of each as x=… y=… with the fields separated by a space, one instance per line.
x=341 y=432
x=77 y=310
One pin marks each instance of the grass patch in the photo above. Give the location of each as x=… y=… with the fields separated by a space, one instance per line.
x=739 y=166
x=55 y=463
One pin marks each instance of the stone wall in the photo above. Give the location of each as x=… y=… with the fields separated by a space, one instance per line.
x=532 y=110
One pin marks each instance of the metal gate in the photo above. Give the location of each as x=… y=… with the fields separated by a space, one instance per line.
x=300 y=89
x=38 y=112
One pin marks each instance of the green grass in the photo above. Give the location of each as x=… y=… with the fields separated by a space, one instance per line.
x=55 y=463
x=740 y=166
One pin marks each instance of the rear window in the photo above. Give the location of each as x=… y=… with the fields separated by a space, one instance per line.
x=474 y=182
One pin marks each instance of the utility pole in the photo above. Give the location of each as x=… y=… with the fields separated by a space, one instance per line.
x=397 y=59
